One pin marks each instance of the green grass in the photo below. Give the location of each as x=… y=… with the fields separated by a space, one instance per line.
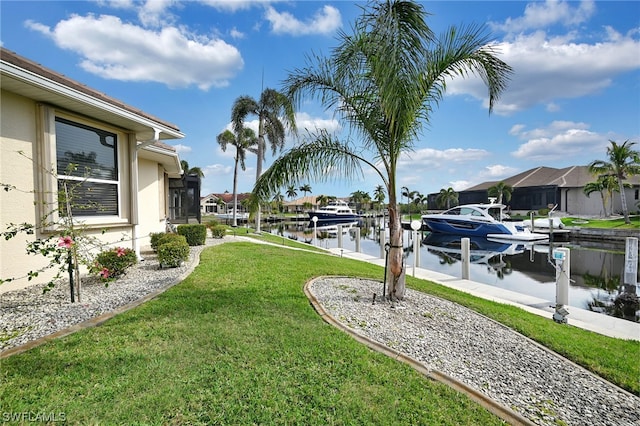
x=603 y=223
x=237 y=342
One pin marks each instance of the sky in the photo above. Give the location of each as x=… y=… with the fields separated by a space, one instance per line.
x=575 y=87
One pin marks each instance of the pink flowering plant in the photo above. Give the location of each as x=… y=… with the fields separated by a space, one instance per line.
x=113 y=263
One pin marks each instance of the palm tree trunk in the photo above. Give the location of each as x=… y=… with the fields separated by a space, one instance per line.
x=260 y=155
x=235 y=193
x=623 y=200
x=395 y=268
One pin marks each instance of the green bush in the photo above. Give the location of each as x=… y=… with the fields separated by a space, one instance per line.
x=110 y=264
x=196 y=234
x=213 y=222
x=172 y=254
x=218 y=231
x=171 y=237
x=155 y=237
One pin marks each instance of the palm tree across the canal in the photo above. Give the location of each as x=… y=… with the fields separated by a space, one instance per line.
x=245 y=141
x=447 y=197
x=383 y=81
x=623 y=161
x=501 y=191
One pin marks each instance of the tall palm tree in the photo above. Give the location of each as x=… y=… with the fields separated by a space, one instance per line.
x=384 y=81
x=359 y=197
x=275 y=114
x=446 y=197
x=623 y=161
x=245 y=141
x=501 y=191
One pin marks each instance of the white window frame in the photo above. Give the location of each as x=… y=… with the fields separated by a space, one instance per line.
x=47 y=171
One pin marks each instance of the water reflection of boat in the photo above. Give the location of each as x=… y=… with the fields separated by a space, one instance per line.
x=481 y=250
x=332 y=228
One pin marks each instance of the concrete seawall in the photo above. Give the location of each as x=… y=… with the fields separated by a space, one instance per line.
x=599 y=234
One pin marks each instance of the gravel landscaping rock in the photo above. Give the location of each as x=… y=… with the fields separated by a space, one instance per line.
x=494 y=360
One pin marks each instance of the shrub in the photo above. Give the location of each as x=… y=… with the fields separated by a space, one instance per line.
x=171 y=237
x=172 y=254
x=212 y=223
x=110 y=264
x=218 y=231
x=155 y=237
x=196 y=234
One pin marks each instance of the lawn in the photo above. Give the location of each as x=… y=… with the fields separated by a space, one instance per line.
x=237 y=342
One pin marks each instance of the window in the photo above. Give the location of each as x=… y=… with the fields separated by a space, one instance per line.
x=91 y=160
x=87 y=164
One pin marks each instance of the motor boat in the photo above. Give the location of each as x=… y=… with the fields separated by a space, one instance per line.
x=480 y=220
x=335 y=211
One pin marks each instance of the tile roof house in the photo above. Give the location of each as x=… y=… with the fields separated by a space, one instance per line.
x=540 y=187
x=124 y=165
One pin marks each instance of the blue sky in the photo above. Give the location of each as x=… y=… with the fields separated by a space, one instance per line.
x=576 y=83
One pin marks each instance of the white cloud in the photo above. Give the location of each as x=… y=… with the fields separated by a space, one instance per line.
x=325 y=21
x=429 y=158
x=542 y=14
x=552 y=67
x=116 y=50
x=559 y=141
x=460 y=185
x=182 y=149
x=497 y=171
x=217 y=170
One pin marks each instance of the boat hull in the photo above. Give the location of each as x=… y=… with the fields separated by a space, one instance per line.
x=465 y=227
x=334 y=217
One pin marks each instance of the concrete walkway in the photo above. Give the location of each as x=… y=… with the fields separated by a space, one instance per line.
x=588 y=320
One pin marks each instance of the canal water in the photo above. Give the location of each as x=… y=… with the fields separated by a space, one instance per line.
x=527 y=268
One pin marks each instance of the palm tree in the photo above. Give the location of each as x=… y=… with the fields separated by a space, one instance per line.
x=275 y=113
x=446 y=197
x=500 y=191
x=322 y=200
x=404 y=192
x=245 y=141
x=291 y=192
x=305 y=188
x=358 y=197
x=597 y=186
x=383 y=81
x=623 y=161
x=419 y=201
x=188 y=171
x=379 y=195
x=278 y=199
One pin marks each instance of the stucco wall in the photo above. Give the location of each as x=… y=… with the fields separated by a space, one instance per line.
x=17 y=133
x=150 y=203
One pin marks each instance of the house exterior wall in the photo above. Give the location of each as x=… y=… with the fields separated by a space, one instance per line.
x=19 y=130
x=151 y=200
x=17 y=134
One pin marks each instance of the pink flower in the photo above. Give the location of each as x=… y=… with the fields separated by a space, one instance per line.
x=120 y=252
x=104 y=273
x=65 y=242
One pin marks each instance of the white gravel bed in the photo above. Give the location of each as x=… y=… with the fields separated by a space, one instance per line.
x=496 y=361
x=28 y=314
